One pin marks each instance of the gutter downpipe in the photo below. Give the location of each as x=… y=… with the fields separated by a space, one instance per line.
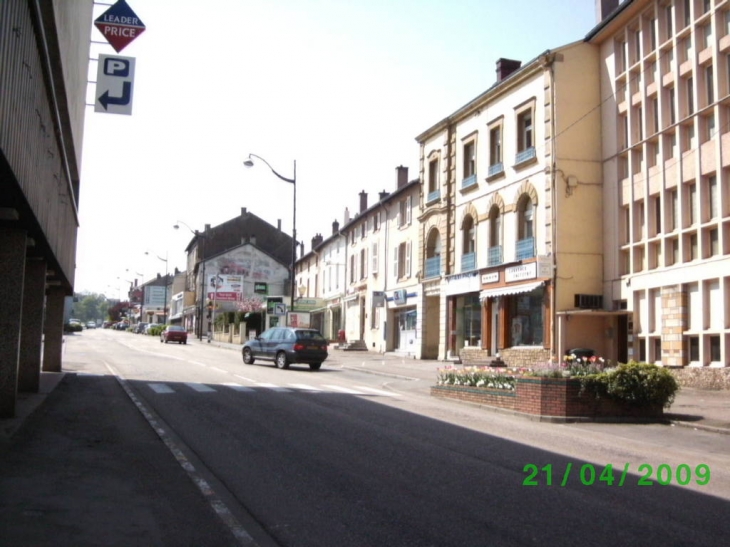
x=550 y=60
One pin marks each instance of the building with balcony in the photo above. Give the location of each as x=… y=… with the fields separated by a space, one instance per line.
x=665 y=78
x=511 y=225
x=44 y=63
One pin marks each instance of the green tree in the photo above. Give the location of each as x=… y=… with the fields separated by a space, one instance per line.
x=91 y=307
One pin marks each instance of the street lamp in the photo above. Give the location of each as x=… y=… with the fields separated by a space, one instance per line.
x=164 y=306
x=203 y=282
x=293 y=181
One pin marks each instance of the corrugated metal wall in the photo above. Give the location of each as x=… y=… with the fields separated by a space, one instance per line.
x=33 y=120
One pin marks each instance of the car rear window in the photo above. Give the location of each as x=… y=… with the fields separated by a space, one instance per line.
x=176 y=328
x=310 y=335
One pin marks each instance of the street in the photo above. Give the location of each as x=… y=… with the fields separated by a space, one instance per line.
x=359 y=454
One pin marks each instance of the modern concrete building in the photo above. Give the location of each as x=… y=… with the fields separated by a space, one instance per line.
x=44 y=60
x=511 y=229
x=665 y=83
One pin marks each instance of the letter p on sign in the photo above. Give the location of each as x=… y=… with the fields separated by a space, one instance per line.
x=116 y=67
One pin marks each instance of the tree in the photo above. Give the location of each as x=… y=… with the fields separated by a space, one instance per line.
x=91 y=307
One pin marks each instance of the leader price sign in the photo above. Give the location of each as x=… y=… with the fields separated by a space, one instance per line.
x=119 y=25
x=114 y=84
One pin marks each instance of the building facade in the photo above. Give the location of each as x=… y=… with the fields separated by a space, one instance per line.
x=511 y=213
x=44 y=61
x=665 y=74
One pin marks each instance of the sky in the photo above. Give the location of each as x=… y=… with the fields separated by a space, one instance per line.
x=341 y=87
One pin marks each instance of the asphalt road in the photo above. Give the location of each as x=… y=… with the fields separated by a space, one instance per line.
x=349 y=458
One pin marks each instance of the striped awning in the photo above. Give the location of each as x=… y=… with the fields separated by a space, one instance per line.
x=512 y=289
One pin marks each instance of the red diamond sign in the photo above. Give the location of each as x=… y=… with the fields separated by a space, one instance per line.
x=119 y=25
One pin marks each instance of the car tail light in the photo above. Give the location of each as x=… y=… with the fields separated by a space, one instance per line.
x=299 y=347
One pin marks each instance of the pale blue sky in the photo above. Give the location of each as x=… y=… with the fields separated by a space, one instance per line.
x=342 y=87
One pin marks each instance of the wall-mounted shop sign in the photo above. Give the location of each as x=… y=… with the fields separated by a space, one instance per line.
x=490 y=278
x=400 y=297
x=519 y=273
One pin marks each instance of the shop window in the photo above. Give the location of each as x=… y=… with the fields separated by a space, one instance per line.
x=471 y=321
x=526 y=318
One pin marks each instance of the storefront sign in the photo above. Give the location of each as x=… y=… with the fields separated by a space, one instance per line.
x=308 y=304
x=378 y=299
x=400 y=297
x=462 y=284
x=544 y=266
x=490 y=278
x=519 y=273
x=261 y=288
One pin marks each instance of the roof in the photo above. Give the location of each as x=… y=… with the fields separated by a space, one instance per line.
x=595 y=31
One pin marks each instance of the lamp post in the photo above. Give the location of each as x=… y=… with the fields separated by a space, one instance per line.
x=203 y=282
x=164 y=305
x=293 y=182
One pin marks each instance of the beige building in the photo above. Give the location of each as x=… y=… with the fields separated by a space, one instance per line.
x=665 y=80
x=511 y=229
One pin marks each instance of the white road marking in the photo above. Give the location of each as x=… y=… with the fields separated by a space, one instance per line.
x=306 y=387
x=239 y=387
x=161 y=388
x=244 y=378
x=273 y=387
x=345 y=390
x=200 y=388
x=217 y=369
x=378 y=391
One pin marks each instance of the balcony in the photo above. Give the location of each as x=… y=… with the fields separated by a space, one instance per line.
x=494 y=256
x=468 y=262
x=525 y=155
x=525 y=248
x=433 y=266
x=433 y=196
x=496 y=169
x=469 y=182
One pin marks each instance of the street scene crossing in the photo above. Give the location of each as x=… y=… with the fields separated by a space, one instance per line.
x=164 y=389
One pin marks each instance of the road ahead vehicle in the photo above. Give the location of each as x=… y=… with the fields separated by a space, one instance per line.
x=141 y=328
x=91 y=325
x=287 y=345
x=174 y=333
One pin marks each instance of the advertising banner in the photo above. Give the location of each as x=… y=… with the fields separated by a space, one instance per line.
x=225 y=288
x=154 y=296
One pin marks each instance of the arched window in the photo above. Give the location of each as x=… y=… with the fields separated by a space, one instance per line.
x=468 y=245
x=525 y=228
x=432 y=268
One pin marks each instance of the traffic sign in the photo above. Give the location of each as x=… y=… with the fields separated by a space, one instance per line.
x=114 y=84
x=119 y=25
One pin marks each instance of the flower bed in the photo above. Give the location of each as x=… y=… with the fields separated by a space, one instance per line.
x=634 y=391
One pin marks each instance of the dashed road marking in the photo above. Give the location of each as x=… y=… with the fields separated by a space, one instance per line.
x=161 y=388
x=200 y=388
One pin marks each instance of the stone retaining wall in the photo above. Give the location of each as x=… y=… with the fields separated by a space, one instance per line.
x=702 y=378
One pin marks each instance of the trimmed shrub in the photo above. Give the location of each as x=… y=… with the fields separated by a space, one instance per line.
x=640 y=384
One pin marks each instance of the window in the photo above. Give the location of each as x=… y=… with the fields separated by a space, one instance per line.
x=690 y=96
x=526 y=213
x=526 y=318
x=657 y=206
x=433 y=180
x=363 y=263
x=694 y=348
x=652 y=33
x=712 y=197
x=524 y=131
x=715 y=349
x=692 y=216
x=708 y=127
x=376 y=221
x=363 y=230
x=673 y=211
x=404 y=212
x=706 y=5
x=707 y=37
x=687 y=13
x=710 y=85
x=687 y=51
x=714 y=242
x=374 y=258
x=495 y=145
x=624 y=124
x=655 y=115
x=672 y=115
x=402 y=260
x=668 y=16
x=637 y=45
x=640 y=124
x=693 y=248
x=469 y=159
x=352 y=269
x=468 y=245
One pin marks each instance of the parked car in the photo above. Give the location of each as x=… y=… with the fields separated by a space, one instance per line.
x=91 y=325
x=122 y=325
x=287 y=345
x=174 y=333
x=140 y=328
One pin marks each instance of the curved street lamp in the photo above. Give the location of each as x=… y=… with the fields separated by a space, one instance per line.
x=293 y=181
x=203 y=283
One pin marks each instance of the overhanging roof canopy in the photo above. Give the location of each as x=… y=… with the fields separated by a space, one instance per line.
x=512 y=289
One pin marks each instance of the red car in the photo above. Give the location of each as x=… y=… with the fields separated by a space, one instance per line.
x=174 y=333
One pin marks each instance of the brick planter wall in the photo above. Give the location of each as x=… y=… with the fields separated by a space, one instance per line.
x=555 y=398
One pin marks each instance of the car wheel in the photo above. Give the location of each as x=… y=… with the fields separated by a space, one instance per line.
x=185 y=342
x=161 y=340
x=247 y=357
x=281 y=361
x=314 y=366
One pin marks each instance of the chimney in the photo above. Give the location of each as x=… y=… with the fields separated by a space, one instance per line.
x=402 y=176
x=363 y=201
x=317 y=241
x=335 y=227
x=604 y=8
x=243 y=211
x=207 y=227
x=382 y=195
x=347 y=215
x=505 y=67
x=278 y=225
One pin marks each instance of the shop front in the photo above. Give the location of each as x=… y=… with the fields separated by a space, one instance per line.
x=464 y=312
x=516 y=311
x=403 y=321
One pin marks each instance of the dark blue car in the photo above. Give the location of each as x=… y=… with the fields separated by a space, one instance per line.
x=287 y=345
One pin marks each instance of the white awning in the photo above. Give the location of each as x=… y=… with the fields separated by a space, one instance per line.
x=512 y=289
